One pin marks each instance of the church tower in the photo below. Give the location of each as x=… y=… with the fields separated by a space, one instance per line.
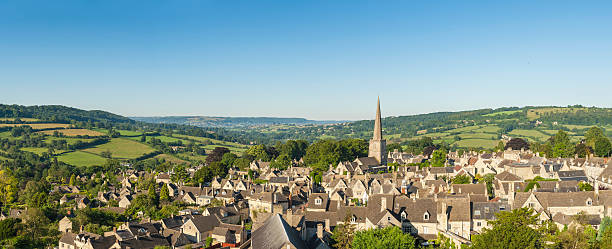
x=378 y=146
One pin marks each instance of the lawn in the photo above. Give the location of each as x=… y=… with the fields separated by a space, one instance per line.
x=502 y=113
x=39 y=126
x=122 y=148
x=477 y=143
x=74 y=132
x=80 y=158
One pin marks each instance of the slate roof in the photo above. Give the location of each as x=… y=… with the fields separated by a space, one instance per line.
x=275 y=233
x=576 y=175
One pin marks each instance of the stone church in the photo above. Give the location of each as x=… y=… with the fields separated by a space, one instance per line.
x=378 y=145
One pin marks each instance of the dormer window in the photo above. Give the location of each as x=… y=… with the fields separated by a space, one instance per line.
x=353 y=219
x=589 y=202
x=426 y=216
x=318 y=201
x=403 y=215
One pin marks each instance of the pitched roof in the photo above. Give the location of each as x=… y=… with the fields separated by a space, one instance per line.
x=508 y=177
x=275 y=233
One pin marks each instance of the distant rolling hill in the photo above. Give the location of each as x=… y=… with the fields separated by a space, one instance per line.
x=232 y=122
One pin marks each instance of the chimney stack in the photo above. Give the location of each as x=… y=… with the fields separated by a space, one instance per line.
x=327 y=225
x=320 y=231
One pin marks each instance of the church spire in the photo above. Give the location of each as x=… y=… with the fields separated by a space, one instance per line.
x=377 y=123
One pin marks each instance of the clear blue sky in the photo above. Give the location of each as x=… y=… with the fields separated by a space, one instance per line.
x=314 y=59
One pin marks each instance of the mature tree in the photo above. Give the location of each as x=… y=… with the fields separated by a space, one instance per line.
x=591 y=136
x=517 y=144
x=513 y=230
x=462 y=179
x=72 y=180
x=164 y=193
x=203 y=175
x=259 y=152
x=603 y=147
x=153 y=195
x=8 y=228
x=228 y=159
x=561 y=145
x=343 y=233
x=8 y=187
x=394 y=146
x=583 y=150
x=180 y=174
x=383 y=238
x=36 y=222
x=281 y=162
x=322 y=153
x=578 y=235
x=438 y=158
x=295 y=149
x=500 y=146
x=216 y=155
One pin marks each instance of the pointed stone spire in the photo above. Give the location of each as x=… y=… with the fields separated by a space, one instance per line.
x=377 y=123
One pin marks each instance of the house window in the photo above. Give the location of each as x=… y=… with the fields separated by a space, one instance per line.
x=318 y=201
x=478 y=224
x=502 y=207
x=486 y=209
x=426 y=216
x=531 y=205
x=403 y=216
x=353 y=219
x=425 y=230
x=388 y=218
x=477 y=212
x=589 y=202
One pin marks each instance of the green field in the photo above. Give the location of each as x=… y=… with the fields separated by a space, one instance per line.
x=488 y=129
x=80 y=158
x=69 y=140
x=579 y=127
x=169 y=158
x=532 y=134
x=234 y=147
x=477 y=143
x=37 y=151
x=122 y=148
x=502 y=113
x=478 y=135
x=129 y=133
x=192 y=157
x=464 y=129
